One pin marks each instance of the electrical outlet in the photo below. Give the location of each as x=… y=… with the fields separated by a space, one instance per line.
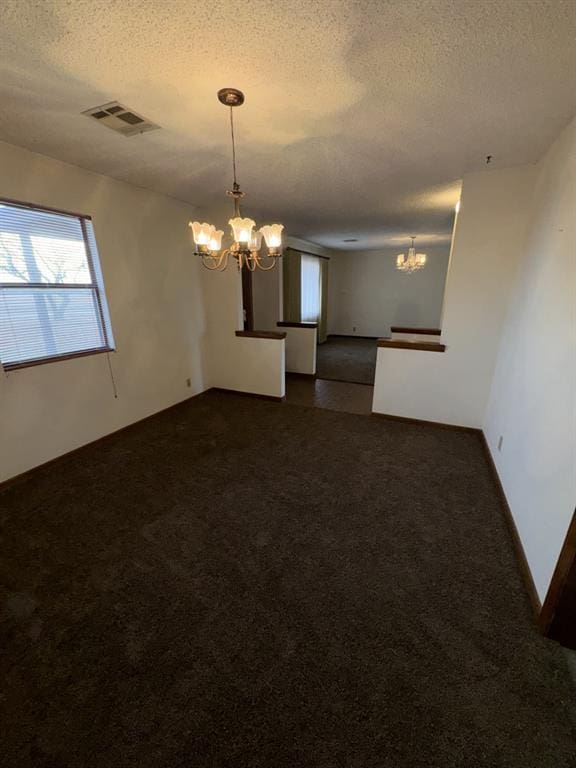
x=353 y=329
x=188 y=382
x=500 y=441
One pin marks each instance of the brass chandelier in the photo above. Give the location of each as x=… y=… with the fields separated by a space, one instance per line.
x=411 y=262
x=246 y=244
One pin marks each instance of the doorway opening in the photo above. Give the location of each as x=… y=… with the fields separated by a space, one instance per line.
x=347 y=358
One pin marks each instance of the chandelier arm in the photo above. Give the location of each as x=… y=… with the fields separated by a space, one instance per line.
x=215 y=266
x=268 y=268
x=208 y=264
x=223 y=261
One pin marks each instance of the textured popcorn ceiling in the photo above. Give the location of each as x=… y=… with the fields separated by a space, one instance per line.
x=360 y=117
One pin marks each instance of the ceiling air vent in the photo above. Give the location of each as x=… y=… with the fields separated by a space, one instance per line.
x=121 y=119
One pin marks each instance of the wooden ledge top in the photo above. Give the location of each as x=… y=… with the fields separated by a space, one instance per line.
x=286 y=324
x=426 y=346
x=262 y=334
x=423 y=331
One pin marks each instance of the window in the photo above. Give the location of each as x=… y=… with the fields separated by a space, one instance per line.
x=52 y=302
x=310 y=294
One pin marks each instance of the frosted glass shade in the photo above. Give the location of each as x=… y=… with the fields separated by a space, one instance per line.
x=273 y=235
x=256 y=241
x=202 y=232
x=399 y=259
x=216 y=240
x=242 y=230
x=420 y=259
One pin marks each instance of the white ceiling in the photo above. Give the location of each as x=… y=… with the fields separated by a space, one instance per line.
x=360 y=117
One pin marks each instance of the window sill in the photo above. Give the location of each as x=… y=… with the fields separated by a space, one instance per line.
x=9 y=367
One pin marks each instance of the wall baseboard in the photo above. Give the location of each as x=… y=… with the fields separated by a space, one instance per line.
x=426 y=422
x=247 y=394
x=516 y=541
x=23 y=476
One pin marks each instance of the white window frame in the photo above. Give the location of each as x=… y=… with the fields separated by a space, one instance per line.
x=96 y=284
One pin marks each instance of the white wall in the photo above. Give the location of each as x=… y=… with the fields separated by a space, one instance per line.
x=533 y=398
x=453 y=387
x=301 y=350
x=153 y=288
x=244 y=364
x=238 y=363
x=368 y=293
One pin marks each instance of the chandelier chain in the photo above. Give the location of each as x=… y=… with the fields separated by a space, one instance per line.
x=233 y=146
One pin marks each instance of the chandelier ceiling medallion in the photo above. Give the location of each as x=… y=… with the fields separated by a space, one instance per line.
x=411 y=262
x=246 y=244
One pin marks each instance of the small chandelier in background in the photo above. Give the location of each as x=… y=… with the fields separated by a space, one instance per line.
x=411 y=262
x=246 y=244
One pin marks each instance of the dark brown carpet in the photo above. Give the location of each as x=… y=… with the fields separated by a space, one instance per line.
x=252 y=585
x=343 y=358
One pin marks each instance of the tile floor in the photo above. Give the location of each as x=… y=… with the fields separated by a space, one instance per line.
x=331 y=395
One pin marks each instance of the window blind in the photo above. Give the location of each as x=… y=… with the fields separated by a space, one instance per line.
x=310 y=293
x=52 y=302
